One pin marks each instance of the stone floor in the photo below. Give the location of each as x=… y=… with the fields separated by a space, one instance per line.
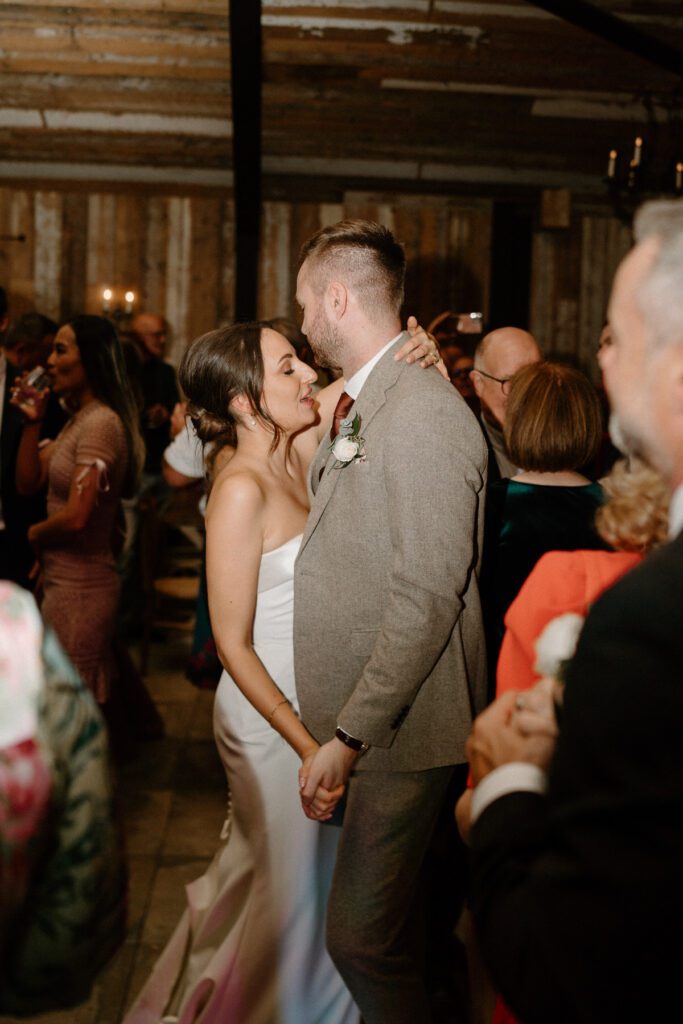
x=172 y=792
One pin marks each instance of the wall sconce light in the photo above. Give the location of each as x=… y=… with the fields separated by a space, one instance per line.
x=112 y=306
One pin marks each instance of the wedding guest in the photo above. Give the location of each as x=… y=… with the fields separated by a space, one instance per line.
x=93 y=462
x=62 y=878
x=26 y=344
x=632 y=521
x=250 y=946
x=497 y=358
x=552 y=429
x=149 y=331
x=563 y=585
x=577 y=838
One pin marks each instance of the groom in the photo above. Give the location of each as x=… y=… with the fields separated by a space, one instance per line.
x=389 y=652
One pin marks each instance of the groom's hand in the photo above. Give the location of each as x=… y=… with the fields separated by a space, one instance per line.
x=326 y=775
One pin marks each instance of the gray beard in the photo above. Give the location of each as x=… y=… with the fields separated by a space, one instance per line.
x=621 y=438
x=632 y=445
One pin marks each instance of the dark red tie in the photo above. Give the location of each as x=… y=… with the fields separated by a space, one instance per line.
x=340 y=413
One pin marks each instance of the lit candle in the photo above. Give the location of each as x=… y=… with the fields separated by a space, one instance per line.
x=679 y=177
x=612 y=164
x=106 y=301
x=637 y=150
x=130 y=299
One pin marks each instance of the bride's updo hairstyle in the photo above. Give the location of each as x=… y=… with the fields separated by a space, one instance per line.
x=216 y=368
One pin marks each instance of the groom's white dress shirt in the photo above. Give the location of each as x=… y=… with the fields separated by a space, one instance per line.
x=354 y=384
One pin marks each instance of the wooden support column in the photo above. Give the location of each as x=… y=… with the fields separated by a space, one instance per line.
x=245 y=56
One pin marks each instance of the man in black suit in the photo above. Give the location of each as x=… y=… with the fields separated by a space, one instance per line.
x=26 y=344
x=577 y=890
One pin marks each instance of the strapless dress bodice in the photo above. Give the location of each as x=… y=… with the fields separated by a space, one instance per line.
x=273 y=620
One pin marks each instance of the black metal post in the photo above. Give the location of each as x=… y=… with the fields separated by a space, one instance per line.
x=245 y=56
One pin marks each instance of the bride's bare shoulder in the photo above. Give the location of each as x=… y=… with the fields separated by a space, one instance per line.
x=237 y=492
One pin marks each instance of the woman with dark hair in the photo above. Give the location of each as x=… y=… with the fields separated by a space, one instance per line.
x=552 y=430
x=251 y=945
x=93 y=462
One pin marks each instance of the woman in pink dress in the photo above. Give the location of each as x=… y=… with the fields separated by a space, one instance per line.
x=94 y=461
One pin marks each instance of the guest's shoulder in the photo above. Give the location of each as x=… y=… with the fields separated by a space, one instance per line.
x=96 y=432
x=101 y=419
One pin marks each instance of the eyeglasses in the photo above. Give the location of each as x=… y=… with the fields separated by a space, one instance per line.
x=504 y=382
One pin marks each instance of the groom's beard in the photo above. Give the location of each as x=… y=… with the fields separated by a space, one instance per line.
x=326 y=342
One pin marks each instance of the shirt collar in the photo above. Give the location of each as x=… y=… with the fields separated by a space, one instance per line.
x=676 y=512
x=354 y=384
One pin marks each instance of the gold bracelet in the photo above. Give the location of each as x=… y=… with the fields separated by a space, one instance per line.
x=278 y=705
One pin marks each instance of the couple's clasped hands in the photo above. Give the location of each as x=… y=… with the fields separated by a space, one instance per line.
x=322 y=778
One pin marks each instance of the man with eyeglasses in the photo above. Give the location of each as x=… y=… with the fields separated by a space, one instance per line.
x=498 y=357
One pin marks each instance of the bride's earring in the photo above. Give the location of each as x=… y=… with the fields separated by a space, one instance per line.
x=252 y=423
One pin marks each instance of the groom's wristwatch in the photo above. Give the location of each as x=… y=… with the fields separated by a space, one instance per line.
x=351 y=741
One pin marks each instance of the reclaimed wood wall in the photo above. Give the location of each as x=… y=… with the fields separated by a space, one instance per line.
x=173 y=252
x=176 y=253
x=572 y=273
x=447 y=245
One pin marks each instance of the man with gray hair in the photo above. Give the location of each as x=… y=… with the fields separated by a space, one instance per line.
x=578 y=845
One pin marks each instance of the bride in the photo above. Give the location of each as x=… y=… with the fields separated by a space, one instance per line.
x=250 y=947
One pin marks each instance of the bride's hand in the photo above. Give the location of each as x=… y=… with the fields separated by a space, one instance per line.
x=422 y=346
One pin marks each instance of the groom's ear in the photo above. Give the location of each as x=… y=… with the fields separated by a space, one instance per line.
x=336 y=298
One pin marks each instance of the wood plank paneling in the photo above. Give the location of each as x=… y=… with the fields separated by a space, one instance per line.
x=206 y=255
x=74 y=249
x=48 y=211
x=572 y=274
x=176 y=252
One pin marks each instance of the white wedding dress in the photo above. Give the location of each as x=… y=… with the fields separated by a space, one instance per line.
x=250 y=948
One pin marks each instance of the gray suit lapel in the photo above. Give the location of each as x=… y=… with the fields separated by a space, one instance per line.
x=369 y=402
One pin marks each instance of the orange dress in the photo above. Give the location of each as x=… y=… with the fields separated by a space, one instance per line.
x=80 y=581
x=560 y=582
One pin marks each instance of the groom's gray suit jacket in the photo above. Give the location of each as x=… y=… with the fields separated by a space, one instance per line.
x=388 y=639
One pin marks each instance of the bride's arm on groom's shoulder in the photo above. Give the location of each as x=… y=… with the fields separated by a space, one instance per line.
x=422 y=346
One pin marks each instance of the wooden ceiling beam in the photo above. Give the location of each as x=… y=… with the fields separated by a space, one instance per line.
x=611 y=28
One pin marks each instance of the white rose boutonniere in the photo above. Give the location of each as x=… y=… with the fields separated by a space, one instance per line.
x=348 y=446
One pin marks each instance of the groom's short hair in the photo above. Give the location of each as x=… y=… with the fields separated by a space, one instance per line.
x=362 y=254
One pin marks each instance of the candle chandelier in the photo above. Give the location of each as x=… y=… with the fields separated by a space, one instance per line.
x=652 y=166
